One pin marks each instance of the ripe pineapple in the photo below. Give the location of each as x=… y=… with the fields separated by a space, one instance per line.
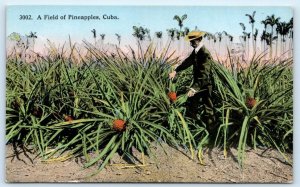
x=172 y=96
x=250 y=102
x=119 y=125
x=68 y=118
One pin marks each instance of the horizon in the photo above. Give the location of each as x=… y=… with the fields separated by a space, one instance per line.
x=155 y=18
x=58 y=24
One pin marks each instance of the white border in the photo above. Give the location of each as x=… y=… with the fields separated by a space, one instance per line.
x=291 y=3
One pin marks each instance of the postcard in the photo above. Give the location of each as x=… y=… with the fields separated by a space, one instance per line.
x=139 y=94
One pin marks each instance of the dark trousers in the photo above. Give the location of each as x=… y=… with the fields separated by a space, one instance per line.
x=200 y=107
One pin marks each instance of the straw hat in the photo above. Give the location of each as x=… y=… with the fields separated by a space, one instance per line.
x=194 y=35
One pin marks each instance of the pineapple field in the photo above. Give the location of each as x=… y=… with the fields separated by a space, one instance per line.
x=110 y=112
x=117 y=104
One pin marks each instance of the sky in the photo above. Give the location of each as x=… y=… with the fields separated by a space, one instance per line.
x=157 y=18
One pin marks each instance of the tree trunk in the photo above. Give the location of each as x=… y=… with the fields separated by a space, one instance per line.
x=276 y=45
x=271 y=41
x=291 y=46
x=254 y=50
x=248 y=56
x=220 y=48
x=33 y=41
x=101 y=44
x=282 y=44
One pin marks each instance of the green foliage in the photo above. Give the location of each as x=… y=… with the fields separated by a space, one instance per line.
x=68 y=108
x=15 y=36
x=255 y=104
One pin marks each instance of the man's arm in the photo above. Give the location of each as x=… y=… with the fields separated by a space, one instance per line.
x=185 y=64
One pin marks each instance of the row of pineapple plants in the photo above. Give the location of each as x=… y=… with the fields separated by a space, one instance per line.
x=114 y=103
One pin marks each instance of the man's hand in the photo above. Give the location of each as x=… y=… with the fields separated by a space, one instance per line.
x=172 y=75
x=191 y=93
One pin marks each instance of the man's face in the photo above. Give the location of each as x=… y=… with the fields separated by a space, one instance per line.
x=195 y=43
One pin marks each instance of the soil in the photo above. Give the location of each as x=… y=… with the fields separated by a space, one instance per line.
x=171 y=165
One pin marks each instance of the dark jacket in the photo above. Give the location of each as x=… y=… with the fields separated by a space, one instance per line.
x=201 y=63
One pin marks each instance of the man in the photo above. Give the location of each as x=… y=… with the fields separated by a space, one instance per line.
x=201 y=90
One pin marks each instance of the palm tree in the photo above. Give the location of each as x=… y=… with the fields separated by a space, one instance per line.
x=158 y=34
x=263 y=39
x=171 y=33
x=254 y=39
x=225 y=33
x=244 y=35
x=291 y=25
x=118 y=38
x=179 y=33
x=282 y=30
x=32 y=35
x=180 y=20
x=94 y=35
x=136 y=33
x=147 y=32
x=140 y=33
x=272 y=21
x=252 y=21
x=270 y=38
x=186 y=31
x=243 y=26
x=230 y=39
x=102 y=36
x=215 y=40
x=263 y=36
x=291 y=35
x=265 y=23
x=218 y=35
x=209 y=37
x=159 y=37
